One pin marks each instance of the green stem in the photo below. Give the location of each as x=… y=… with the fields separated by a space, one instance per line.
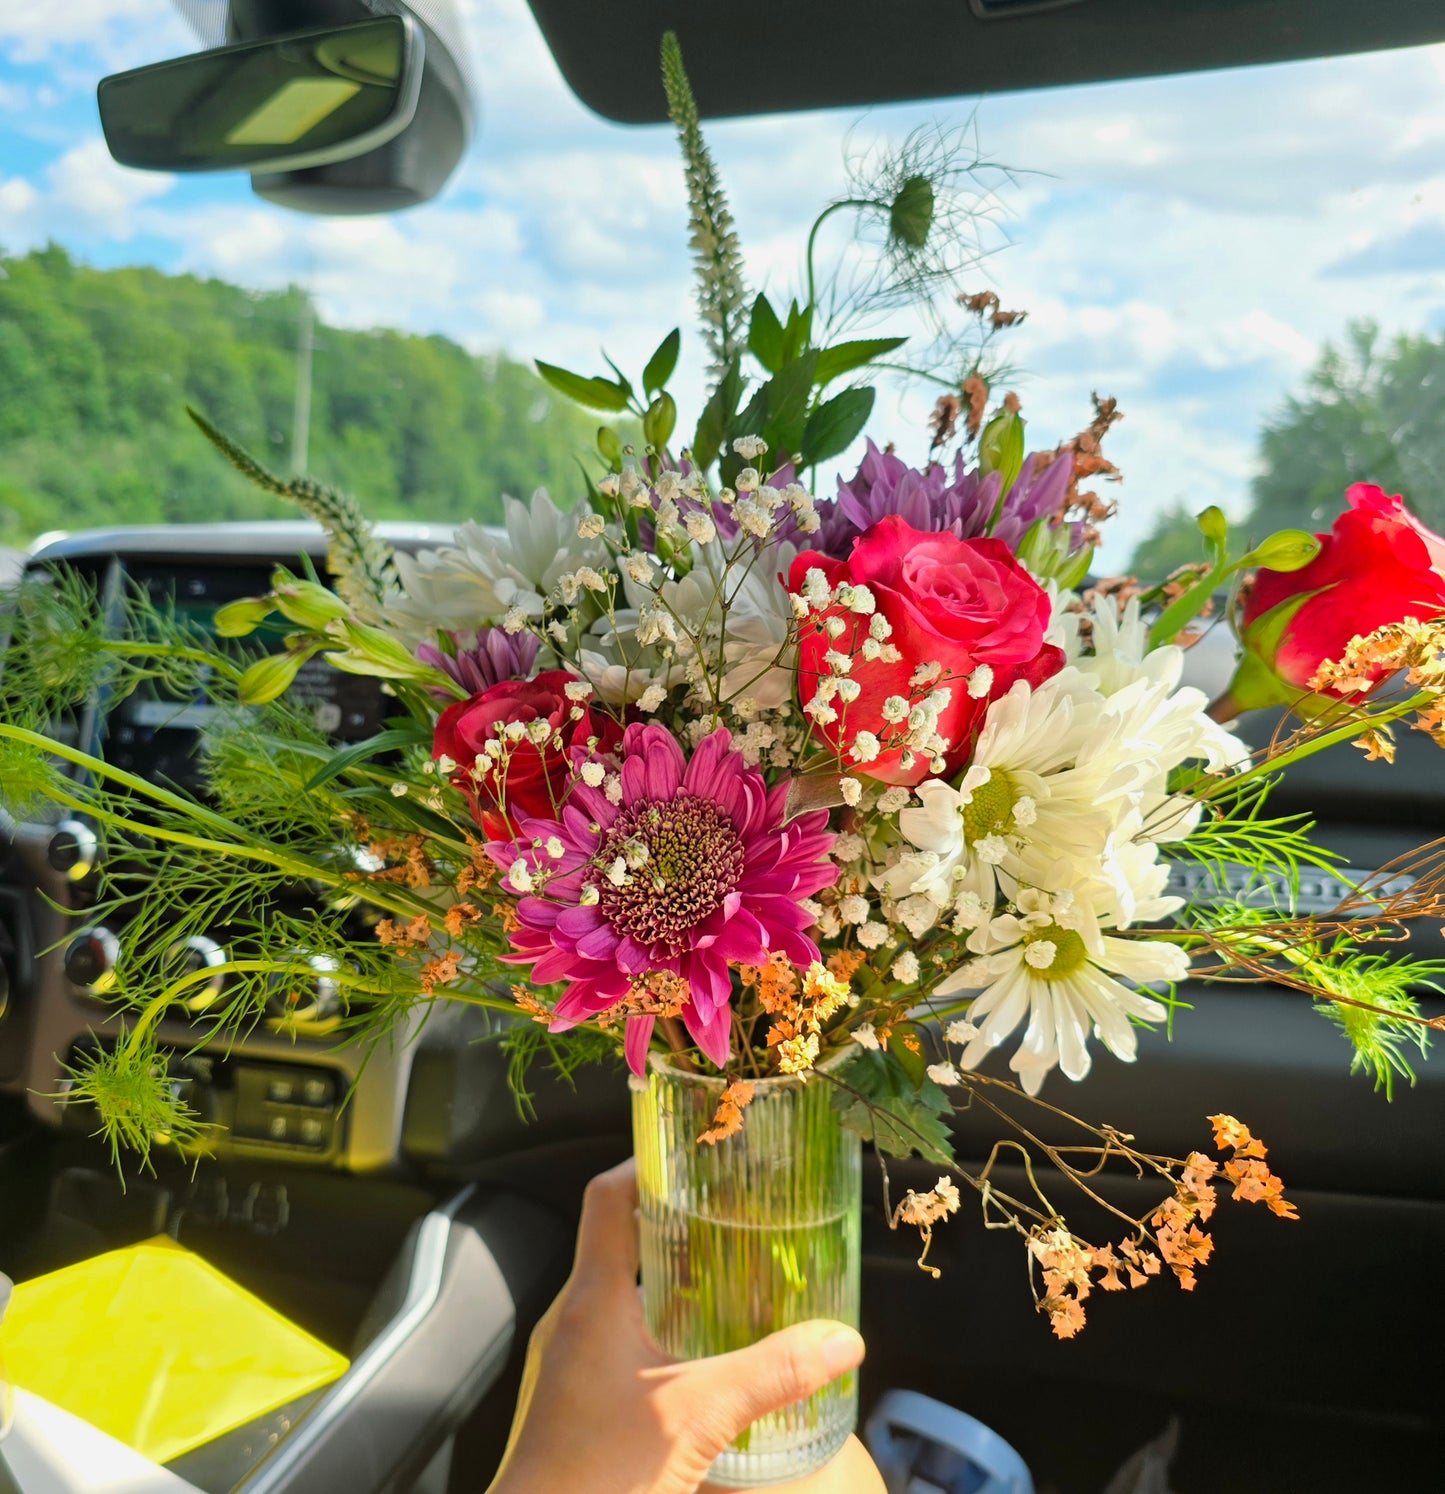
x=819 y=221
x=136 y=650
x=1340 y=734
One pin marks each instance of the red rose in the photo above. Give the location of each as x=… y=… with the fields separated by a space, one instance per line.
x=1378 y=565
x=956 y=603
x=533 y=778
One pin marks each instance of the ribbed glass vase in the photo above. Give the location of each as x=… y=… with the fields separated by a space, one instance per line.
x=748 y=1236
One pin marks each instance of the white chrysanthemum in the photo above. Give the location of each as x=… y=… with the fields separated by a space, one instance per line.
x=1157 y=725
x=486 y=573
x=1118 y=650
x=1021 y=789
x=1051 y=962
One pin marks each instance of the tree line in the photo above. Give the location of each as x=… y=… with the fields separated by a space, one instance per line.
x=1372 y=410
x=97 y=367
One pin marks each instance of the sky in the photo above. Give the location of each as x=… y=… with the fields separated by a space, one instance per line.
x=1183 y=244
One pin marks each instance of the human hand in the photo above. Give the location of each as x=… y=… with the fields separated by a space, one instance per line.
x=602 y=1409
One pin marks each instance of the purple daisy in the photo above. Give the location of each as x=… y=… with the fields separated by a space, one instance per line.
x=694 y=870
x=965 y=505
x=495 y=656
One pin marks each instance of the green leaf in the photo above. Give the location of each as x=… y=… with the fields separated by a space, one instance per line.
x=844 y=357
x=913 y=1061
x=788 y=393
x=662 y=363
x=1285 y=550
x=1184 y=609
x=623 y=383
x=716 y=415
x=878 y=1100
x=797 y=332
x=765 y=335
x=835 y=425
x=592 y=394
x=358 y=752
x=1070 y=575
x=660 y=421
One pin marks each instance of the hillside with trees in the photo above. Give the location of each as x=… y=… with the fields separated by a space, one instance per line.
x=97 y=367
x=1370 y=410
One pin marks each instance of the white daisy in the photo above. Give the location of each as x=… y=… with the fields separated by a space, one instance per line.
x=1050 y=960
x=1023 y=788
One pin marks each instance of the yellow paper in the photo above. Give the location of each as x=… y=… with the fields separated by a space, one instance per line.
x=157 y=1348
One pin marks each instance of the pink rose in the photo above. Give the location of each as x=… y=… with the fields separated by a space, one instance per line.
x=958 y=604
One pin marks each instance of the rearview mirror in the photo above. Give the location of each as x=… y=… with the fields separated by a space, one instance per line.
x=282 y=104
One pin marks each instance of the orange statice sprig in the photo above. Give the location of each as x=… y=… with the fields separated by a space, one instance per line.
x=1065 y=1269
x=1252 y=1179
x=800 y=1003
x=1413 y=648
x=728 y=1120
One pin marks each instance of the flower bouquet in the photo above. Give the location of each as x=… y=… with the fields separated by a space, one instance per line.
x=802 y=804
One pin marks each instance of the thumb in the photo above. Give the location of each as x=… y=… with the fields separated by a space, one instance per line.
x=735 y=1389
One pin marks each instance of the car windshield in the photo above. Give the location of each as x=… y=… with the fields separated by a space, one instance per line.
x=1246 y=260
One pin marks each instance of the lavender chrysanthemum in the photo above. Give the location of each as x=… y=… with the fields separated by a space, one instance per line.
x=495 y=656
x=965 y=505
x=693 y=871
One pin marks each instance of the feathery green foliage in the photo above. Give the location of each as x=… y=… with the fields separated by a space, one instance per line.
x=1235 y=832
x=280 y=852
x=721 y=293
x=526 y=1042
x=1371 y=994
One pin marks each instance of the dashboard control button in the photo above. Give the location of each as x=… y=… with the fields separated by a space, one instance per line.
x=281 y=1090
x=208 y=1201
x=317 y=1090
x=267 y=1208
x=312 y=1130
x=192 y=956
x=278 y=1128
x=91 y=958
x=73 y=850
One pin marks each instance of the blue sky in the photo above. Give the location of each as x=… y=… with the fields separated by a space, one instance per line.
x=1184 y=244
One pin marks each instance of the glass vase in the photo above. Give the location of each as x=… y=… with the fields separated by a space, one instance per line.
x=748 y=1236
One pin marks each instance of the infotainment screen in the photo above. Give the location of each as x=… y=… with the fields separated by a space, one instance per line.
x=155 y=733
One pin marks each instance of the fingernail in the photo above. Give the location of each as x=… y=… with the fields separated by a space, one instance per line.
x=842 y=1351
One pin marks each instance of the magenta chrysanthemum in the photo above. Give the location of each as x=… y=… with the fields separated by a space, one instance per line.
x=692 y=871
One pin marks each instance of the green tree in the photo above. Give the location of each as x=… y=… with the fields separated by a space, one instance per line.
x=1371 y=411
x=97 y=366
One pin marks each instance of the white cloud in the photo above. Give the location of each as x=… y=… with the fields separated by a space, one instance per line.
x=119 y=33
x=85 y=182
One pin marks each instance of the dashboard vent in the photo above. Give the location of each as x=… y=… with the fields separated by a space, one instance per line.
x=1317 y=893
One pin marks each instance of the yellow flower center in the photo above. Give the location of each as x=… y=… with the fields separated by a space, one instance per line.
x=991 y=809
x=1053 y=952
